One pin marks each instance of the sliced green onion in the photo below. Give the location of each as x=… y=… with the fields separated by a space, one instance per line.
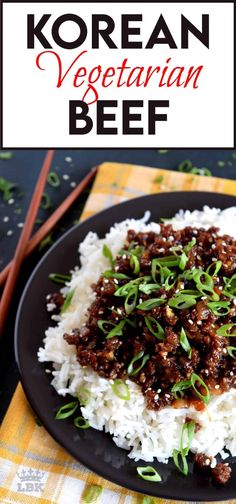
x=219 y=308
x=108 y=254
x=84 y=396
x=170 y=281
x=103 y=323
x=148 y=473
x=154 y=327
x=182 y=301
x=185 y=343
x=67 y=410
x=147 y=288
x=114 y=274
x=58 y=278
x=68 y=301
x=231 y=350
x=53 y=179
x=6 y=155
x=161 y=269
x=45 y=201
x=205 y=284
x=124 y=289
x=6 y=188
x=224 y=330
x=171 y=260
x=190 y=245
x=178 y=388
x=131 y=371
x=131 y=300
x=117 y=330
x=230 y=286
x=150 y=304
x=185 y=166
x=196 y=379
x=81 y=423
x=134 y=264
x=183 y=261
x=216 y=265
x=121 y=389
x=183 y=465
x=91 y=494
x=188 y=427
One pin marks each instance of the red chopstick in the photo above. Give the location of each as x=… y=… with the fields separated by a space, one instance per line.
x=52 y=220
x=23 y=240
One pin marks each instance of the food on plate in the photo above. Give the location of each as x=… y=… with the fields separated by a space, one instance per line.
x=146 y=338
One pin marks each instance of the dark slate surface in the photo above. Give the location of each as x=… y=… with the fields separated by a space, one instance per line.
x=71 y=166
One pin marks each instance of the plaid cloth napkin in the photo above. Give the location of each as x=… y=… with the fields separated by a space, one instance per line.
x=34 y=469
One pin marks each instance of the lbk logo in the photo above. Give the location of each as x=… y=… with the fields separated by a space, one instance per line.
x=30 y=481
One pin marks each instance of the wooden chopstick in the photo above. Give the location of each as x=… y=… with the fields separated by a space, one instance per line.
x=52 y=220
x=23 y=240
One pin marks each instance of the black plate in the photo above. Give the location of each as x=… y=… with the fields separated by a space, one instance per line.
x=93 y=448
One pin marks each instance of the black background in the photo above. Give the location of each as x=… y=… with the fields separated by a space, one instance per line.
x=23 y=169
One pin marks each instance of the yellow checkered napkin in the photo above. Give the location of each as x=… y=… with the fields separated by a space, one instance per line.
x=33 y=467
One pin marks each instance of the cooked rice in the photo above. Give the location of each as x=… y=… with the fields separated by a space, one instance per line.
x=147 y=433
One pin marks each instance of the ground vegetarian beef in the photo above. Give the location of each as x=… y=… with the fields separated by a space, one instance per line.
x=165 y=316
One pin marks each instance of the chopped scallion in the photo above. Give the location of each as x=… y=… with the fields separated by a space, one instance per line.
x=108 y=254
x=219 y=308
x=59 y=278
x=148 y=473
x=154 y=327
x=150 y=304
x=117 y=330
x=53 y=179
x=224 y=330
x=81 y=423
x=134 y=263
x=131 y=371
x=121 y=389
x=231 y=350
x=185 y=343
x=68 y=301
x=67 y=410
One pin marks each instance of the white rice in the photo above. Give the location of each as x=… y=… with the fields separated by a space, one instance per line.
x=146 y=433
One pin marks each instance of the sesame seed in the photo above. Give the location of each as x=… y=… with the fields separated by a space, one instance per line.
x=73 y=184
x=11 y=201
x=65 y=176
x=199 y=322
x=156 y=397
x=102 y=288
x=105 y=280
x=217 y=387
x=207 y=462
x=116 y=281
x=231 y=373
x=9 y=232
x=68 y=159
x=159 y=390
x=20 y=224
x=140 y=300
x=167 y=395
x=190 y=322
x=6 y=218
x=234 y=301
x=124 y=256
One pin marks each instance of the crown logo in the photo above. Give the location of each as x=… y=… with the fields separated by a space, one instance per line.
x=30 y=475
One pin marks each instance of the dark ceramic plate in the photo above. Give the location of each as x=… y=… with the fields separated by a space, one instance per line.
x=93 y=448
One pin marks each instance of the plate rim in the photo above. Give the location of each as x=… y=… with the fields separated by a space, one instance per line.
x=218 y=497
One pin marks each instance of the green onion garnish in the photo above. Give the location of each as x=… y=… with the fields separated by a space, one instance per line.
x=131 y=299
x=114 y=274
x=68 y=301
x=182 y=301
x=58 y=278
x=150 y=304
x=131 y=371
x=185 y=343
x=121 y=389
x=196 y=379
x=170 y=261
x=53 y=179
x=84 y=396
x=178 y=388
x=147 y=288
x=6 y=155
x=117 y=330
x=231 y=350
x=108 y=254
x=230 y=286
x=188 y=427
x=134 y=264
x=154 y=327
x=224 y=330
x=219 y=308
x=190 y=245
x=81 y=423
x=148 y=473
x=91 y=494
x=45 y=202
x=205 y=284
x=216 y=265
x=170 y=281
x=103 y=323
x=183 y=261
x=67 y=410
x=6 y=188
